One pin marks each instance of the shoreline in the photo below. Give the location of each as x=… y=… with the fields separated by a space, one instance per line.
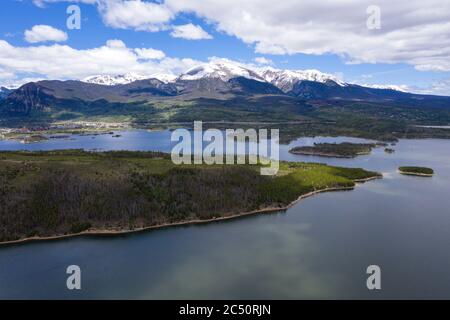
x=328 y=155
x=111 y=232
x=319 y=154
x=416 y=174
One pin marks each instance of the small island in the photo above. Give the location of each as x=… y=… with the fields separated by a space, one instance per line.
x=417 y=171
x=33 y=138
x=335 y=150
x=389 y=150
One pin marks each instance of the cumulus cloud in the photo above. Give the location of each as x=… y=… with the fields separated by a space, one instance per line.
x=43 y=33
x=64 y=62
x=115 y=43
x=149 y=53
x=263 y=61
x=190 y=32
x=440 y=87
x=134 y=14
x=412 y=32
x=139 y=15
x=20 y=65
x=41 y=3
x=6 y=74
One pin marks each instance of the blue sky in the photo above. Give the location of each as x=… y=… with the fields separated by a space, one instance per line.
x=228 y=41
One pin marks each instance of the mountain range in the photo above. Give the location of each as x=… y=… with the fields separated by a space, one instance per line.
x=214 y=80
x=4 y=92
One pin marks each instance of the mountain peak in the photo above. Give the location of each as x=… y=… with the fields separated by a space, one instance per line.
x=112 y=80
x=286 y=79
x=163 y=77
x=223 y=70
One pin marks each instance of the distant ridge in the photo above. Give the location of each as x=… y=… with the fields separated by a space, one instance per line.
x=222 y=80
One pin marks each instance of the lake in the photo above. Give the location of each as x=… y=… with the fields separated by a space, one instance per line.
x=320 y=248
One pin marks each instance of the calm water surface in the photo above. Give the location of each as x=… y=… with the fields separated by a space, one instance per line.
x=320 y=248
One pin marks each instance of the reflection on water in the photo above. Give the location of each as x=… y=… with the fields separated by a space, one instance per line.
x=320 y=248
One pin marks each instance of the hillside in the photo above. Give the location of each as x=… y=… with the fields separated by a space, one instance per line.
x=65 y=192
x=226 y=92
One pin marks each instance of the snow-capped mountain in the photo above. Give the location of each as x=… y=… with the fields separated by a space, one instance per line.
x=387 y=86
x=214 y=80
x=108 y=80
x=112 y=80
x=218 y=73
x=286 y=79
x=220 y=70
x=163 y=77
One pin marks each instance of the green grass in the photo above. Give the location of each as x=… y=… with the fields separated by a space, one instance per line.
x=68 y=191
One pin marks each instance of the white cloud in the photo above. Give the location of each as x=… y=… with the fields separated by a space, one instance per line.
x=139 y=15
x=43 y=33
x=263 y=61
x=115 y=43
x=134 y=14
x=149 y=53
x=440 y=87
x=41 y=3
x=19 y=65
x=64 y=62
x=17 y=83
x=401 y=87
x=6 y=74
x=190 y=32
x=413 y=32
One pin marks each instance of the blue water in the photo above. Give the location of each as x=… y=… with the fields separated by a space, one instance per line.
x=320 y=248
